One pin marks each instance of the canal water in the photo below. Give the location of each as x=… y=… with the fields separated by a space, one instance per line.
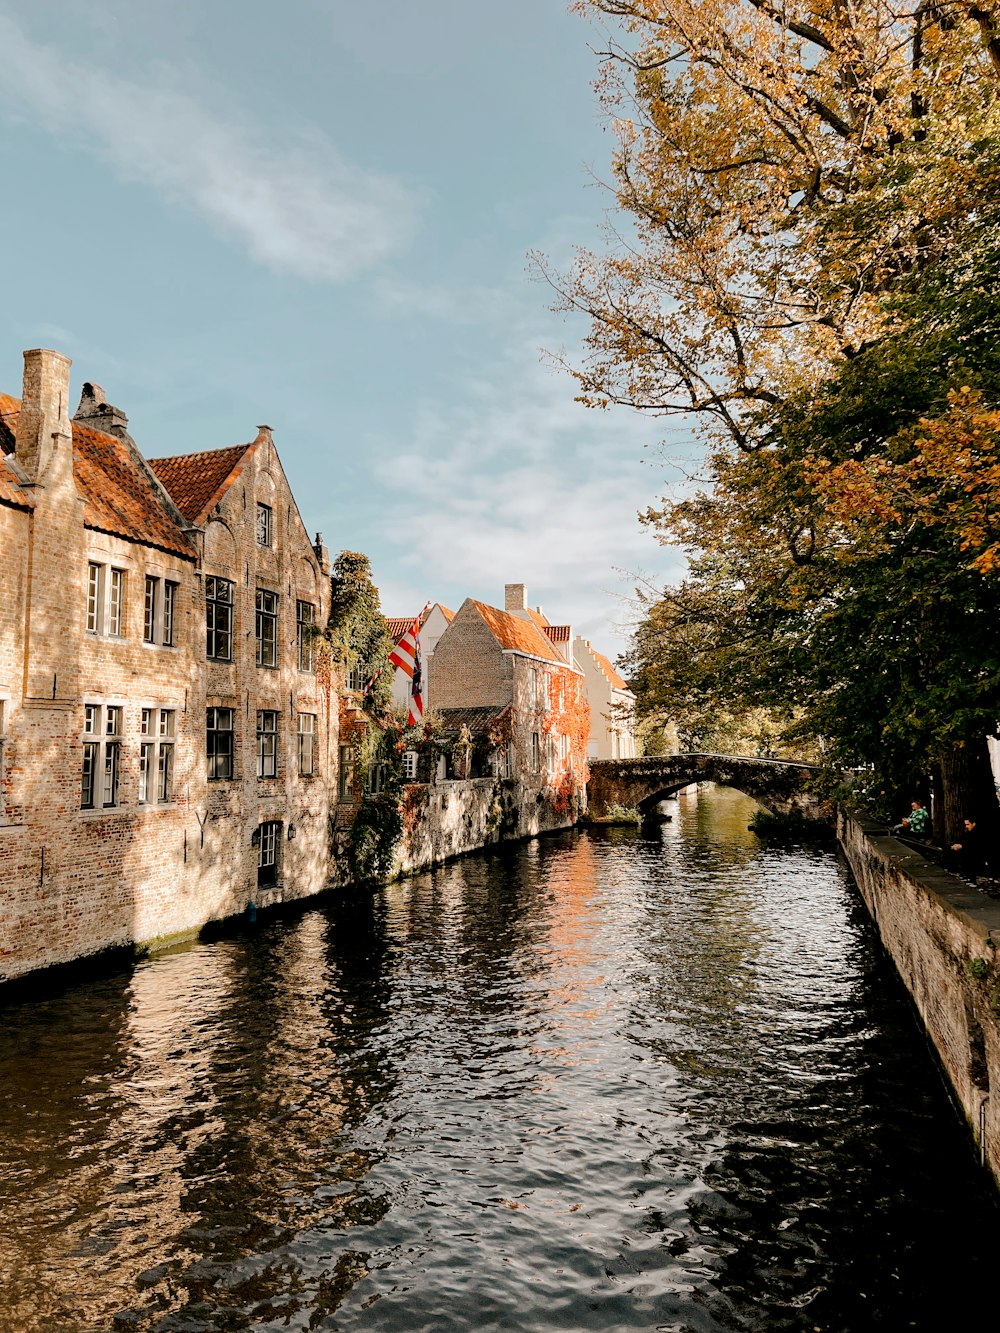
x=602 y=1080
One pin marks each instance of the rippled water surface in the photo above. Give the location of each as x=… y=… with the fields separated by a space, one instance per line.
x=599 y=1081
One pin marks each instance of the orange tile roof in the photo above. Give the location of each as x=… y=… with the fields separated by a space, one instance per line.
x=118 y=497
x=10 y=487
x=612 y=675
x=539 y=619
x=197 y=482
x=521 y=636
x=557 y=633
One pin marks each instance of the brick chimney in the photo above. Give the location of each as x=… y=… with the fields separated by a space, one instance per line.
x=43 y=447
x=515 y=597
x=97 y=412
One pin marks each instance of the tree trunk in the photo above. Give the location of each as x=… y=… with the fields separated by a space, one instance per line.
x=968 y=792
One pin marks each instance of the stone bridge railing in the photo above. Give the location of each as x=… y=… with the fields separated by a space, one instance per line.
x=779 y=785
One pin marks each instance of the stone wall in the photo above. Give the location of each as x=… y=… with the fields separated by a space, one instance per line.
x=942 y=936
x=447 y=819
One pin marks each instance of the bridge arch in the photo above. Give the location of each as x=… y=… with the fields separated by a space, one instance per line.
x=779 y=785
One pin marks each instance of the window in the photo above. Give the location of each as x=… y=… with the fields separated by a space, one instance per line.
x=376 y=778
x=536 y=753
x=263 y=525
x=158 y=611
x=268 y=847
x=102 y=729
x=156 y=755
x=532 y=688
x=105 y=600
x=355 y=681
x=150 y=608
x=95 y=587
x=307 y=744
x=116 y=598
x=219 y=618
x=344 y=785
x=219 y=748
x=169 y=602
x=410 y=760
x=267 y=743
x=305 y=618
x=267 y=628
x=91 y=754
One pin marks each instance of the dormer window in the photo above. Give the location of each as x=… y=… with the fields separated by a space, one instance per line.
x=263 y=525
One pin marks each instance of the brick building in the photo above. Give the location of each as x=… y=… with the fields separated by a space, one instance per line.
x=165 y=740
x=509 y=677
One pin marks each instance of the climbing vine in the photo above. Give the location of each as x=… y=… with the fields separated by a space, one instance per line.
x=355 y=650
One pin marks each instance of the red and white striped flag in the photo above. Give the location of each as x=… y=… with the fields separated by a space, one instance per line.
x=406 y=657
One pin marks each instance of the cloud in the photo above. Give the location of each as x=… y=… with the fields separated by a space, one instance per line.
x=523 y=485
x=297 y=206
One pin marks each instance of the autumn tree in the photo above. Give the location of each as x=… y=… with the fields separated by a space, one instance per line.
x=808 y=268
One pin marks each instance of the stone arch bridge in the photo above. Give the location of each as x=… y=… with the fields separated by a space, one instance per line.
x=779 y=785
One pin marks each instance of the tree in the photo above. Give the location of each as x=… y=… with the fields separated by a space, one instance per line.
x=813 y=192
x=781 y=167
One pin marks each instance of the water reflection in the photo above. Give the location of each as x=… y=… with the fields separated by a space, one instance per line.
x=618 y=1081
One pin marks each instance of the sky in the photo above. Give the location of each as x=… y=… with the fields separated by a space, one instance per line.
x=318 y=216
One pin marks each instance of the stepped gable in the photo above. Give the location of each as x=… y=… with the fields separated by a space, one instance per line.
x=605 y=665
x=118 y=497
x=197 y=482
x=521 y=636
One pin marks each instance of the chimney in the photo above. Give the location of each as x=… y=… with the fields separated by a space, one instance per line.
x=95 y=411
x=515 y=597
x=44 y=444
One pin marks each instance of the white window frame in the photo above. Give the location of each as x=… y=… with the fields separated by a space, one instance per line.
x=212 y=713
x=268 y=853
x=158 y=610
x=214 y=583
x=411 y=760
x=267 y=743
x=157 y=739
x=267 y=610
x=264 y=528
x=107 y=588
x=307 y=745
x=345 y=773
x=101 y=768
x=305 y=615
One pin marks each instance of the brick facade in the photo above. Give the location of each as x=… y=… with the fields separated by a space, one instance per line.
x=111 y=831
x=501 y=660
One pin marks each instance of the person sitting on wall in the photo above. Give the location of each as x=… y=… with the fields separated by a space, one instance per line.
x=917 y=822
x=968 y=854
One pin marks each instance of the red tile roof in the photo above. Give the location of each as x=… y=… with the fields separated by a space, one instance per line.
x=118 y=496
x=557 y=633
x=197 y=482
x=612 y=675
x=521 y=636
x=10 y=487
x=398 y=625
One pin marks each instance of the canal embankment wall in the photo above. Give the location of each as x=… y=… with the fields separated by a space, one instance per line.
x=943 y=937
x=443 y=820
